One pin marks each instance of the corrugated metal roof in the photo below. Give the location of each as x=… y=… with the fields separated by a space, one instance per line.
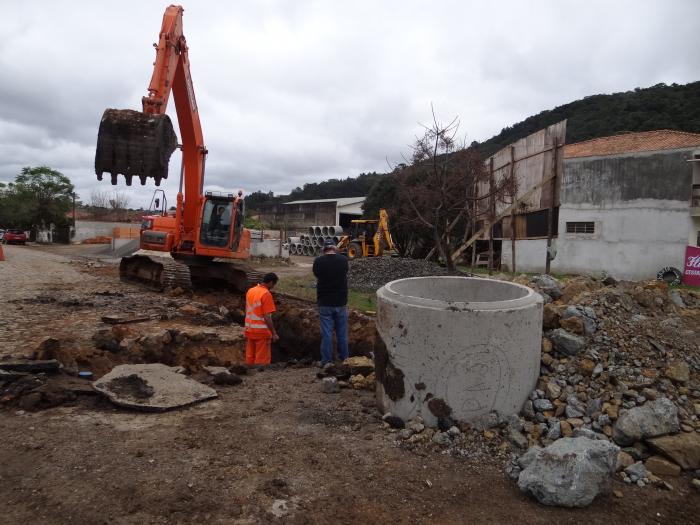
x=630 y=142
x=342 y=201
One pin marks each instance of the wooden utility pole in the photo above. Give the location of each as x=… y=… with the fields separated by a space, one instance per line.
x=514 y=188
x=492 y=215
x=550 y=210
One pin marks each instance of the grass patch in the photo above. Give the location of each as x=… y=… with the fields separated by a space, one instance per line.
x=304 y=288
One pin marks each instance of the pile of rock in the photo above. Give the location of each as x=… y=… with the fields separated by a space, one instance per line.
x=371 y=273
x=619 y=365
x=355 y=372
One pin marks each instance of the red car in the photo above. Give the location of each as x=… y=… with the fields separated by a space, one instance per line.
x=15 y=237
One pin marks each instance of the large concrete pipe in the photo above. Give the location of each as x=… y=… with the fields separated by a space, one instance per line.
x=335 y=230
x=456 y=347
x=319 y=241
x=324 y=231
x=312 y=229
x=317 y=231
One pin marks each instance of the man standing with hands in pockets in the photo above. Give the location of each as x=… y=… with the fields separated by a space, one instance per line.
x=331 y=271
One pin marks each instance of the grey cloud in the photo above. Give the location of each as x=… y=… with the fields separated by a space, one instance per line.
x=296 y=92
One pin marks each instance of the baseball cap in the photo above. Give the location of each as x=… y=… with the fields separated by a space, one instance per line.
x=328 y=244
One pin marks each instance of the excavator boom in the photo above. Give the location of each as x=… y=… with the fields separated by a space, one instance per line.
x=206 y=233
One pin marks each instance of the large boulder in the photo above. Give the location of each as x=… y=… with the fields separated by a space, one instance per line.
x=548 y=284
x=565 y=342
x=153 y=387
x=583 y=315
x=679 y=371
x=683 y=449
x=570 y=472
x=654 y=418
x=550 y=316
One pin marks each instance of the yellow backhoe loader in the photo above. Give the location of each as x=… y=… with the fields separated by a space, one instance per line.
x=368 y=238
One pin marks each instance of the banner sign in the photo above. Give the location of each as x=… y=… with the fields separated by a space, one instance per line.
x=691 y=272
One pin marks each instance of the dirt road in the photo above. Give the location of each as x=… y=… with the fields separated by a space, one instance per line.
x=273 y=449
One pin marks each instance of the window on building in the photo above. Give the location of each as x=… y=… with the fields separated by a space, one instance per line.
x=580 y=227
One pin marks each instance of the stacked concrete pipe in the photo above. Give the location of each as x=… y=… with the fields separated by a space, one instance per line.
x=456 y=347
x=314 y=241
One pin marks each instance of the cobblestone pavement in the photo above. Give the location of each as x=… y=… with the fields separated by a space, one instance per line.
x=47 y=292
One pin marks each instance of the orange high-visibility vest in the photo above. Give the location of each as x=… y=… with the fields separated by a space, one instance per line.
x=255 y=325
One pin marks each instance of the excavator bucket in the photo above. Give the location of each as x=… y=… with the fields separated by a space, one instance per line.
x=134 y=144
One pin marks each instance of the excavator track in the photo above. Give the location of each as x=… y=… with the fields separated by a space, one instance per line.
x=163 y=273
x=155 y=273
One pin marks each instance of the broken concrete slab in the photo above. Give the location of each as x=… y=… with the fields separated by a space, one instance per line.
x=152 y=387
x=31 y=366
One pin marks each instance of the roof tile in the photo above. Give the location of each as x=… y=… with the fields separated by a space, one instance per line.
x=630 y=142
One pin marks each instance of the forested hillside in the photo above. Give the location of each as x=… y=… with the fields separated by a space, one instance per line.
x=658 y=107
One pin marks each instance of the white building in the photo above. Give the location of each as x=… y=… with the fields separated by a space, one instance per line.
x=303 y=213
x=628 y=206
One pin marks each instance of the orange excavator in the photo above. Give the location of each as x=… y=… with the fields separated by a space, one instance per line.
x=204 y=235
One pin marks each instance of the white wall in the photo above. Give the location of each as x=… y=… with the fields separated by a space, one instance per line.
x=268 y=248
x=88 y=229
x=529 y=255
x=632 y=241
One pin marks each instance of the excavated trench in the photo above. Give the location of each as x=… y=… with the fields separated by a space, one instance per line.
x=195 y=332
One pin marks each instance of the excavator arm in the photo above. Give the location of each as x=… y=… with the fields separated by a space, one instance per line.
x=382 y=237
x=140 y=144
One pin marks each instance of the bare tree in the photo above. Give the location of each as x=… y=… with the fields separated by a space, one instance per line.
x=99 y=203
x=119 y=202
x=441 y=188
x=105 y=203
x=99 y=198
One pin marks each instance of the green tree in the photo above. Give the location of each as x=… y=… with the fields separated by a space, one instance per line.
x=39 y=196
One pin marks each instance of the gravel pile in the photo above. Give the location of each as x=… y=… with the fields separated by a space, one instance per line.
x=371 y=273
x=620 y=363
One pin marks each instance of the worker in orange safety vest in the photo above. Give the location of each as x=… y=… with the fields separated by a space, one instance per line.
x=259 y=329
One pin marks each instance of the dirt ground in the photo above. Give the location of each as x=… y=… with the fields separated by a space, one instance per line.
x=273 y=449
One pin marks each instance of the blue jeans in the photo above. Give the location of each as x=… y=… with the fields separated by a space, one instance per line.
x=333 y=317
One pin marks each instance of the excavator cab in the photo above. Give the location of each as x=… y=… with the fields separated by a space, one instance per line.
x=222 y=221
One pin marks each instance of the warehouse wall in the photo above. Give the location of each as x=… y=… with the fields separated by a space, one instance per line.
x=639 y=205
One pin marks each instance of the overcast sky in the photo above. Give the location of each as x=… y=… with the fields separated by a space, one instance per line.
x=297 y=91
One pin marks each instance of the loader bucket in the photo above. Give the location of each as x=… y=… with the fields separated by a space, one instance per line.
x=134 y=144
